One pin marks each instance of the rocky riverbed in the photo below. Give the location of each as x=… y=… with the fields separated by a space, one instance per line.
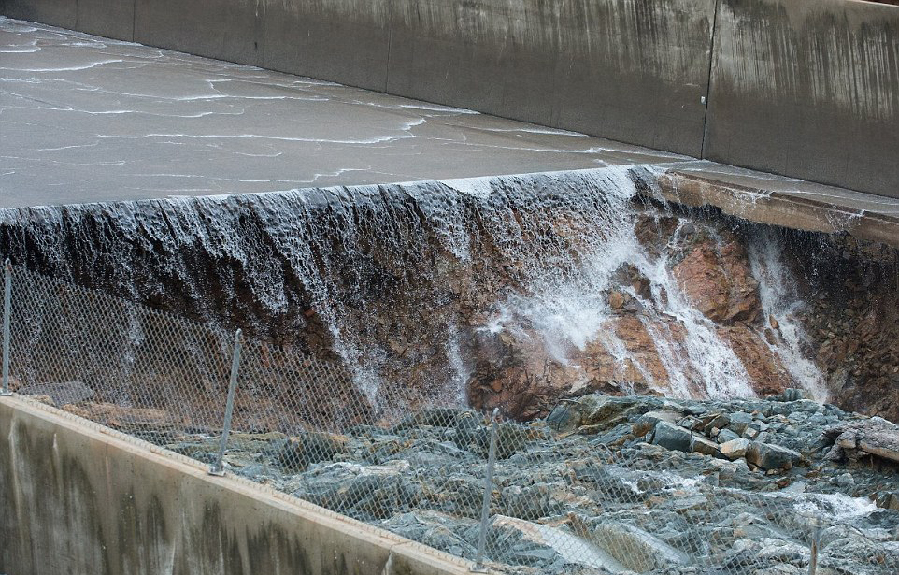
x=610 y=484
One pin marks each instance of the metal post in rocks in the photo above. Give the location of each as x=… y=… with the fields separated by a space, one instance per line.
x=488 y=494
x=216 y=468
x=814 y=546
x=813 y=549
x=7 y=307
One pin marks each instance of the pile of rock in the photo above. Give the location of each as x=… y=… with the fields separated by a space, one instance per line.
x=611 y=484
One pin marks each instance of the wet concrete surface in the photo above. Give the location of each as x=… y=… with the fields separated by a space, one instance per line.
x=88 y=119
x=91 y=119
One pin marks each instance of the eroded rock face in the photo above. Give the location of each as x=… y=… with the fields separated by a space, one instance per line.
x=539 y=288
x=717 y=280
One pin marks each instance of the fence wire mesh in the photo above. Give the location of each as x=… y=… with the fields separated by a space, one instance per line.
x=591 y=500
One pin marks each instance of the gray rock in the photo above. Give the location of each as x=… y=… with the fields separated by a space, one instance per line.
x=672 y=437
x=646 y=422
x=769 y=456
x=874 y=436
x=735 y=448
x=726 y=435
x=739 y=421
x=636 y=549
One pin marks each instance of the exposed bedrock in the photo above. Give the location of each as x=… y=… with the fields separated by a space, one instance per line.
x=506 y=292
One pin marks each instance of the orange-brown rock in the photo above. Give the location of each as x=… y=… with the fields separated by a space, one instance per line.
x=718 y=281
x=767 y=374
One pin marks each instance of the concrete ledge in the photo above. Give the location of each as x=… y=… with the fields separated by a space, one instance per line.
x=798 y=209
x=79 y=498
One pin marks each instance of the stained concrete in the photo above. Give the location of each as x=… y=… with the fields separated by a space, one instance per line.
x=79 y=498
x=631 y=71
x=808 y=89
x=803 y=88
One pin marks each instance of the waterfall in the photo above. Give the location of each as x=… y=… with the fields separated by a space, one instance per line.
x=430 y=291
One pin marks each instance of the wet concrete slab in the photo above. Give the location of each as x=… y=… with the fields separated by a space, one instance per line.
x=88 y=119
x=91 y=119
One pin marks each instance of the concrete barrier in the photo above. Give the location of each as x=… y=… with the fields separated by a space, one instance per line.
x=804 y=88
x=808 y=89
x=629 y=70
x=81 y=499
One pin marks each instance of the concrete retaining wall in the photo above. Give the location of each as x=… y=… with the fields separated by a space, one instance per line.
x=804 y=88
x=808 y=89
x=76 y=498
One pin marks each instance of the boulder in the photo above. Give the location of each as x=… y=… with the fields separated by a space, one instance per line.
x=720 y=420
x=573 y=549
x=647 y=422
x=636 y=549
x=726 y=435
x=769 y=456
x=705 y=446
x=735 y=448
x=875 y=436
x=739 y=421
x=672 y=437
x=599 y=411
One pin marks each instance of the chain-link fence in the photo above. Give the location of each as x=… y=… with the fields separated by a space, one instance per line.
x=605 y=494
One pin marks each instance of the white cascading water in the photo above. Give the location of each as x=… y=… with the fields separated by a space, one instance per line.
x=400 y=276
x=781 y=302
x=572 y=310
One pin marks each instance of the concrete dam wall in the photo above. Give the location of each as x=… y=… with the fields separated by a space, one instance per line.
x=804 y=88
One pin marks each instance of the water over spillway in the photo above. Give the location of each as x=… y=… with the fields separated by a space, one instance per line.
x=505 y=291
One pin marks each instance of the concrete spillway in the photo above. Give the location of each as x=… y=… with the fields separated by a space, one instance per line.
x=139 y=138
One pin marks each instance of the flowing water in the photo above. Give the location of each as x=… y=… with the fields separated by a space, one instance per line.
x=424 y=290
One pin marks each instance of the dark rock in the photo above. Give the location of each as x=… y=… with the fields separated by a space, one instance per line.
x=672 y=437
x=599 y=411
x=564 y=418
x=790 y=394
x=768 y=456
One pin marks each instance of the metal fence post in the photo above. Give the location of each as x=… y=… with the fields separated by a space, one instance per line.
x=7 y=307
x=813 y=550
x=216 y=468
x=488 y=494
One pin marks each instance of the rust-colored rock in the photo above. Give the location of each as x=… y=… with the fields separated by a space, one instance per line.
x=718 y=281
